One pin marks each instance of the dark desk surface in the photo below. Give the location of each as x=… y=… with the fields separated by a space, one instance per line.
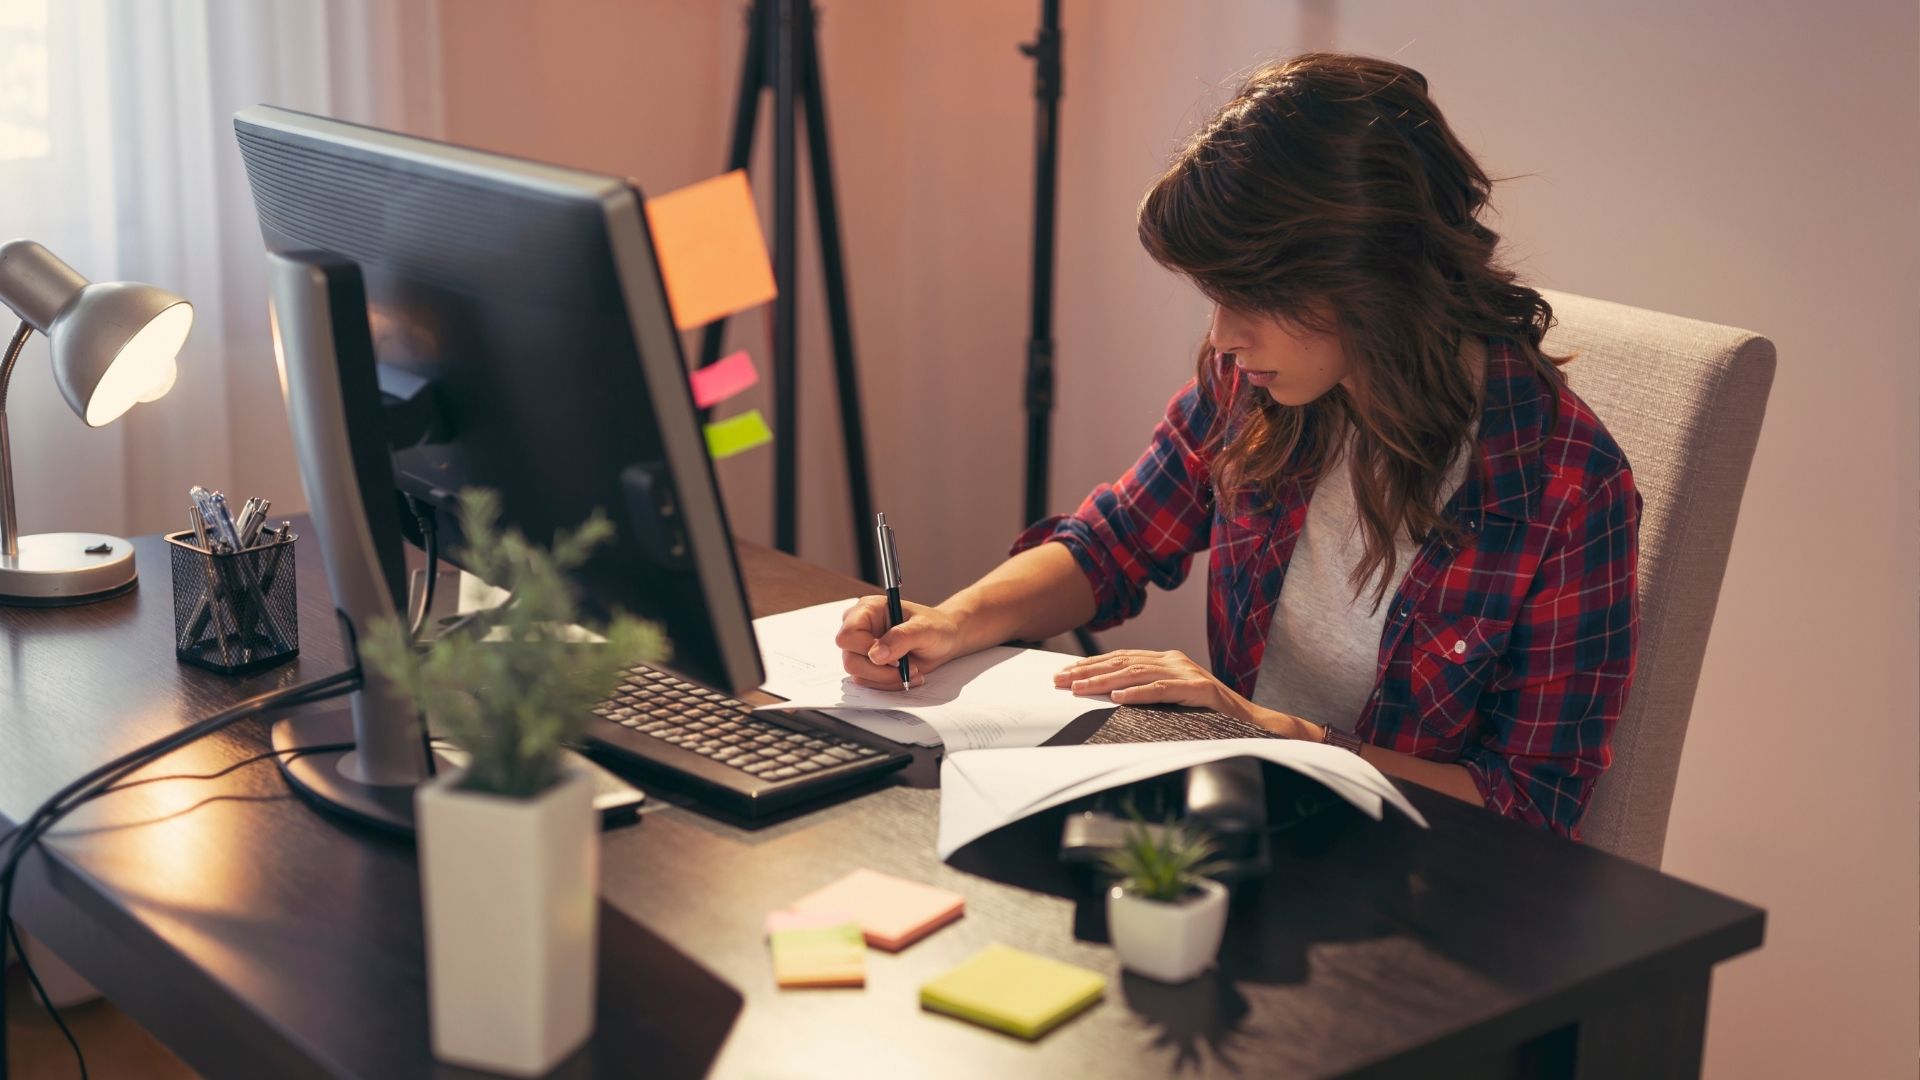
x=257 y=937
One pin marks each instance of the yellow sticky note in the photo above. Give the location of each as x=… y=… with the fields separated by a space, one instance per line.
x=728 y=437
x=712 y=254
x=820 y=956
x=1014 y=991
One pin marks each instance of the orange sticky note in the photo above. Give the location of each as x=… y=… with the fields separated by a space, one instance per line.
x=712 y=254
x=892 y=912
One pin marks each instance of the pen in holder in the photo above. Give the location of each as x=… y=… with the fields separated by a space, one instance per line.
x=235 y=611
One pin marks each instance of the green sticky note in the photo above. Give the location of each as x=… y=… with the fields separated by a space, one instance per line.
x=728 y=437
x=1014 y=991
x=820 y=956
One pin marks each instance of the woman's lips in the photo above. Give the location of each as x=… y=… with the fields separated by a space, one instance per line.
x=1259 y=378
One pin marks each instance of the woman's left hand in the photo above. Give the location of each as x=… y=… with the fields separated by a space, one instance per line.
x=1140 y=677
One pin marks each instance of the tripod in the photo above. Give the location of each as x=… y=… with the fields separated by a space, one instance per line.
x=782 y=55
x=1047 y=75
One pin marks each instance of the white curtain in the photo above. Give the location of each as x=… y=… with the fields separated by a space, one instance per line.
x=117 y=153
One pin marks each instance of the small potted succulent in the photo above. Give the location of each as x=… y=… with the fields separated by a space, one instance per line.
x=509 y=844
x=1165 y=916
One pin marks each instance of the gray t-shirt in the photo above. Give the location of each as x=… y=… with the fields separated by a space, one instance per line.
x=1323 y=649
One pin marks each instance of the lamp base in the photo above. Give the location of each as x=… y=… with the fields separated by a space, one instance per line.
x=55 y=569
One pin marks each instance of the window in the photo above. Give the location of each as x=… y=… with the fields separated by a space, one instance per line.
x=23 y=80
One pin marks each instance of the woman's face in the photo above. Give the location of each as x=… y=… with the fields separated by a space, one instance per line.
x=1293 y=364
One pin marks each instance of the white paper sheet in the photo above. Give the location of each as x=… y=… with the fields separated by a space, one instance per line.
x=999 y=697
x=982 y=790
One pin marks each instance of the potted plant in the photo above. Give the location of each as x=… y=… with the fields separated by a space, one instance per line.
x=509 y=844
x=1165 y=916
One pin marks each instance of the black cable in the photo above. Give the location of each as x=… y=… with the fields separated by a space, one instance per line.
x=46 y=1001
x=429 y=519
x=99 y=780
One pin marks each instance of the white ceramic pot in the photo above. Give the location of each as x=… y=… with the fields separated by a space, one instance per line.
x=510 y=891
x=1171 y=942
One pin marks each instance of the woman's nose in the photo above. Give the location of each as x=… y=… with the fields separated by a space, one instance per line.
x=1223 y=333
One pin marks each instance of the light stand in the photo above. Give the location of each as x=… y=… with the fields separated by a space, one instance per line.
x=1047 y=77
x=782 y=55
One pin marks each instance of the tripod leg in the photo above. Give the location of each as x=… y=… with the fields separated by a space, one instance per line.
x=833 y=271
x=784 y=17
x=746 y=114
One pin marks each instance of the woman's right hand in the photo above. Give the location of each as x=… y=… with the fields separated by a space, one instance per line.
x=871 y=652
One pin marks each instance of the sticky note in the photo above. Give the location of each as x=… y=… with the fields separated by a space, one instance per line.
x=806 y=920
x=1013 y=991
x=722 y=379
x=712 y=254
x=820 y=956
x=893 y=912
x=735 y=434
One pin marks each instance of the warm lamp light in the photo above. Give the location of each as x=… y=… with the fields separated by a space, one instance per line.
x=113 y=346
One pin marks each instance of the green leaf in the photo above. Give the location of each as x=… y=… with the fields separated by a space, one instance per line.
x=516 y=704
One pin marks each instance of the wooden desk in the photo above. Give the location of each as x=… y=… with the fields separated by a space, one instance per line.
x=259 y=938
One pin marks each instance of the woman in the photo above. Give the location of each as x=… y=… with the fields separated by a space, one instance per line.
x=1422 y=542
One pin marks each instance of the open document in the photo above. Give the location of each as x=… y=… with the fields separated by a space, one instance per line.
x=1000 y=697
x=982 y=790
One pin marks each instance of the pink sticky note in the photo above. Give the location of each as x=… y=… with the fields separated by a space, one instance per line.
x=722 y=379
x=893 y=912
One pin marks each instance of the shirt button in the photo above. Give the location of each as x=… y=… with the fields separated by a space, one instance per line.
x=1406 y=609
x=1459 y=647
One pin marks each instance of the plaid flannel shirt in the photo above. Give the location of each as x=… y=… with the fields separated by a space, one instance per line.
x=1511 y=655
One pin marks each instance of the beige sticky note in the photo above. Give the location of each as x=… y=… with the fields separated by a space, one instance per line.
x=712 y=254
x=893 y=912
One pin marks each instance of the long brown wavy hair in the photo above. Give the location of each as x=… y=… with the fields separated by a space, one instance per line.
x=1330 y=193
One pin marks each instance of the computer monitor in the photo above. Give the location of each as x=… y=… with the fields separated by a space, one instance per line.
x=517 y=309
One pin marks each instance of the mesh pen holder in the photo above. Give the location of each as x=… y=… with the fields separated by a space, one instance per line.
x=235 y=612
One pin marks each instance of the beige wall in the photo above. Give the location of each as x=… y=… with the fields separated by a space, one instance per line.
x=1749 y=164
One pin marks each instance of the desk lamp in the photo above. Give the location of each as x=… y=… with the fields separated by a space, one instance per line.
x=113 y=345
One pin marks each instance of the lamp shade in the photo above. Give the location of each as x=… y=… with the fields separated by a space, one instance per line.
x=114 y=343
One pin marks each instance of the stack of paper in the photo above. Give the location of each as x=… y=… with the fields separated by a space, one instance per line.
x=995 y=697
x=982 y=790
x=1013 y=991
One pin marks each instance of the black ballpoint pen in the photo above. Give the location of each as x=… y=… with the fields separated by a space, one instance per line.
x=890 y=578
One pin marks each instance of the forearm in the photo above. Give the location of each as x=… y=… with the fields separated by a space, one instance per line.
x=1031 y=596
x=1446 y=779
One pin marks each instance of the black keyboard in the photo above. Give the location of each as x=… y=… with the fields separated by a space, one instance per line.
x=751 y=763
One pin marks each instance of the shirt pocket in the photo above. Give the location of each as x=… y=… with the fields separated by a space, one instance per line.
x=1452 y=659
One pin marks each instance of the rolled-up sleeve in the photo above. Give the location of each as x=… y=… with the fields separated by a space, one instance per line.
x=1145 y=527
x=1549 y=724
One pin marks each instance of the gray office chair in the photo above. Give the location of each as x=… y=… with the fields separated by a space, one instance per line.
x=1684 y=399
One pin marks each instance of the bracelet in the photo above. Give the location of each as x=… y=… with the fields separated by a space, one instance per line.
x=1333 y=736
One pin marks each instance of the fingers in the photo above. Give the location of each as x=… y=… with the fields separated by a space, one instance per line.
x=1116 y=678
x=862 y=624
x=891 y=681
x=880 y=675
x=916 y=634
x=1102 y=664
x=1166 y=692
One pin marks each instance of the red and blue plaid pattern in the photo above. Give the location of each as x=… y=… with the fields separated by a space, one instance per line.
x=1510 y=655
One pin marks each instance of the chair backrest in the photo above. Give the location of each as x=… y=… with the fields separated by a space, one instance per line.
x=1684 y=399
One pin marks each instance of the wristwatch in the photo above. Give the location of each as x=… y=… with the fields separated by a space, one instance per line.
x=1333 y=736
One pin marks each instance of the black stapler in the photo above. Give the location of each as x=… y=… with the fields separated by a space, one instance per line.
x=1226 y=798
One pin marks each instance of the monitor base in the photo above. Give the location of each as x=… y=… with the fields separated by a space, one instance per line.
x=315 y=751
